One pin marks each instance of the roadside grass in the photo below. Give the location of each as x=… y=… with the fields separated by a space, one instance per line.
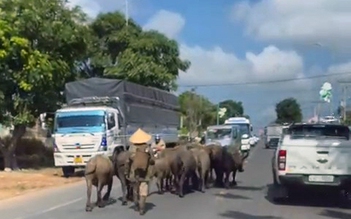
x=37 y=170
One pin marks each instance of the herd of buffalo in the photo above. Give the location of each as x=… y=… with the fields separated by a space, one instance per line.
x=177 y=170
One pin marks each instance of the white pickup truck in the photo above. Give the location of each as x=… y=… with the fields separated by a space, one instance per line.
x=312 y=156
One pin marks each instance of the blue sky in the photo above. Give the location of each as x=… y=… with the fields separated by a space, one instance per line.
x=244 y=41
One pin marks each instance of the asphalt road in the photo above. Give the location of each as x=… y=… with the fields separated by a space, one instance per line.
x=247 y=201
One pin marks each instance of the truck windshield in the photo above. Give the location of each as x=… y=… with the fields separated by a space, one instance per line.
x=274 y=130
x=317 y=131
x=73 y=122
x=219 y=133
x=244 y=129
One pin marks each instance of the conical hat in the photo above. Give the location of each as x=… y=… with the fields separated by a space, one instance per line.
x=140 y=137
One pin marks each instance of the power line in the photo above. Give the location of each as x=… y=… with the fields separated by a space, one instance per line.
x=268 y=82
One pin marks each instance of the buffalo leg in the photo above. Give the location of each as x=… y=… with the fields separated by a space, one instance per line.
x=206 y=179
x=181 y=185
x=159 y=184
x=219 y=177
x=234 y=183
x=129 y=191
x=125 y=191
x=136 y=195
x=226 y=180
x=203 y=181
x=88 y=206
x=176 y=183
x=99 y=202
x=169 y=183
x=109 y=188
x=124 y=184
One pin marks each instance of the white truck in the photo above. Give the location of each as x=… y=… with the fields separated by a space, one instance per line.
x=101 y=114
x=245 y=131
x=312 y=156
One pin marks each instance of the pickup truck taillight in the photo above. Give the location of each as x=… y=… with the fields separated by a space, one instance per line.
x=281 y=160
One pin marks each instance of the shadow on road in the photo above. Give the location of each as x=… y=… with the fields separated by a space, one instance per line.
x=111 y=201
x=148 y=206
x=335 y=214
x=240 y=215
x=249 y=188
x=231 y=196
x=306 y=199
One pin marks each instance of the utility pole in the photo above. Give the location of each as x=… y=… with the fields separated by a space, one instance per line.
x=217 y=113
x=126 y=12
x=318 y=109
x=345 y=85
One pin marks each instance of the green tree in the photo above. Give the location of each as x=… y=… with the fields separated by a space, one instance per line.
x=197 y=110
x=144 y=57
x=42 y=46
x=288 y=110
x=233 y=108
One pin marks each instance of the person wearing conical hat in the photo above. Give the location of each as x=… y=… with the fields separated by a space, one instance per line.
x=138 y=167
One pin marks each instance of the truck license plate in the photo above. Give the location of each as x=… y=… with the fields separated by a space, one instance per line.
x=78 y=160
x=314 y=178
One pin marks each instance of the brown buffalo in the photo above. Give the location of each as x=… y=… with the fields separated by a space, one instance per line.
x=204 y=165
x=233 y=161
x=98 y=172
x=215 y=152
x=162 y=172
x=119 y=160
x=184 y=169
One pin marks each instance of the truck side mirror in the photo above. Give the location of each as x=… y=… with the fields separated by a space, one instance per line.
x=251 y=129
x=110 y=118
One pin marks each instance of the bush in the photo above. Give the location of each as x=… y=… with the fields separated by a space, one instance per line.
x=31 y=153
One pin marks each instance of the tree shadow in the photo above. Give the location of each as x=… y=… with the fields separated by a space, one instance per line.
x=240 y=215
x=335 y=214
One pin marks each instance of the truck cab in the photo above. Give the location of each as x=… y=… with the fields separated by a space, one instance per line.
x=245 y=128
x=82 y=131
x=225 y=135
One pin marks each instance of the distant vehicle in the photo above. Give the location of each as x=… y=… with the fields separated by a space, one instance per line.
x=256 y=139
x=272 y=134
x=330 y=119
x=245 y=129
x=225 y=135
x=313 y=156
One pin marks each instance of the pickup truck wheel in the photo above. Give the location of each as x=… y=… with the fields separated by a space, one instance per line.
x=345 y=201
x=278 y=196
x=68 y=171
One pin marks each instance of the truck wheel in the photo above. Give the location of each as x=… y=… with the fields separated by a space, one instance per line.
x=68 y=171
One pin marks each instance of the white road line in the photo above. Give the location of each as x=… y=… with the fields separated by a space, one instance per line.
x=50 y=209
x=56 y=207
x=61 y=205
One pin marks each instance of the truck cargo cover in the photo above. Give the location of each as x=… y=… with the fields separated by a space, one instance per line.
x=140 y=104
